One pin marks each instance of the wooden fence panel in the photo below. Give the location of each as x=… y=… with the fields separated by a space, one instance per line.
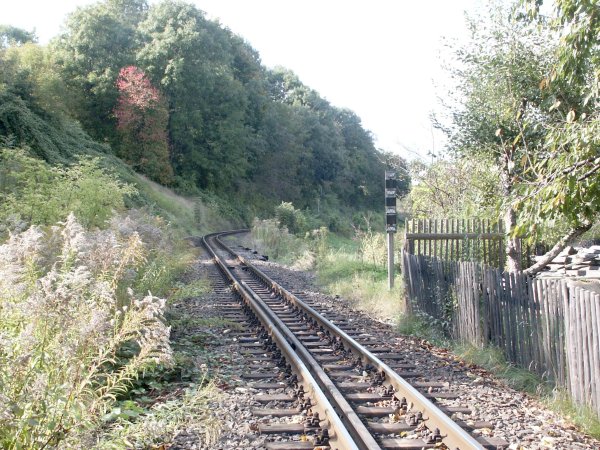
x=456 y=240
x=547 y=326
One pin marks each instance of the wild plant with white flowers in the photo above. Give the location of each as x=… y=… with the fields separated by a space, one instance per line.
x=74 y=331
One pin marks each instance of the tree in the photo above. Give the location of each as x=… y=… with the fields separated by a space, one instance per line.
x=566 y=186
x=529 y=88
x=191 y=59
x=142 y=118
x=98 y=41
x=10 y=36
x=456 y=188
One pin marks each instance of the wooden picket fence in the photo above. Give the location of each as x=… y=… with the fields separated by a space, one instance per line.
x=551 y=327
x=456 y=240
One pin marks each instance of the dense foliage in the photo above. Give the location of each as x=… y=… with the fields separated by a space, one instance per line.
x=188 y=103
x=171 y=95
x=527 y=103
x=231 y=126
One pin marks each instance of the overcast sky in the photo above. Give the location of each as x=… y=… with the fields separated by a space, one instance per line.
x=380 y=58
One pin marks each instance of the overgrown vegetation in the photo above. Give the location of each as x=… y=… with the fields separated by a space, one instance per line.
x=525 y=109
x=34 y=192
x=354 y=269
x=76 y=328
x=187 y=103
x=127 y=97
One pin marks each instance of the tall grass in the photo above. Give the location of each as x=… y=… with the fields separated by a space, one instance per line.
x=364 y=284
x=191 y=411
x=273 y=239
x=353 y=269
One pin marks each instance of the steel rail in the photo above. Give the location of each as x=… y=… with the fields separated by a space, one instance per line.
x=338 y=433
x=453 y=436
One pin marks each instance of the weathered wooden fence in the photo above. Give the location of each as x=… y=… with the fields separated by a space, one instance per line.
x=456 y=240
x=551 y=327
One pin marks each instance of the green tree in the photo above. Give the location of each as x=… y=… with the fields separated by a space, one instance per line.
x=98 y=41
x=10 y=36
x=142 y=120
x=191 y=59
x=497 y=78
x=566 y=186
x=455 y=188
x=529 y=91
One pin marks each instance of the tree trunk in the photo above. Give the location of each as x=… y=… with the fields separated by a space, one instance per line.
x=558 y=247
x=513 y=244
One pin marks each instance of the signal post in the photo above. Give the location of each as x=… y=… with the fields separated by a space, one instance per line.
x=390 y=221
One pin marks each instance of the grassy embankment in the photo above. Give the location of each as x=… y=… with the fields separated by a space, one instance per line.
x=353 y=269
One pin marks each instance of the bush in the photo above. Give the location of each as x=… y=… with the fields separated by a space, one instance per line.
x=290 y=218
x=74 y=333
x=33 y=192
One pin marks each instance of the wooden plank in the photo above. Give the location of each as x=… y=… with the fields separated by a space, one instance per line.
x=557 y=321
x=578 y=392
x=417 y=239
x=462 y=241
x=484 y=243
x=275 y=412
x=564 y=293
x=429 y=242
x=571 y=342
x=592 y=348
x=546 y=321
x=535 y=330
x=435 y=231
x=595 y=314
x=290 y=445
x=585 y=348
x=276 y=428
x=447 y=254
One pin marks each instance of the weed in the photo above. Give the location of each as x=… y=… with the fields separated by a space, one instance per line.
x=191 y=411
x=346 y=272
x=188 y=290
x=73 y=339
x=583 y=416
x=422 y=327
x=493 y=360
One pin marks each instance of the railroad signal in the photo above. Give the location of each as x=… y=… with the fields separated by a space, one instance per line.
x=390 y=200
x=390 y=220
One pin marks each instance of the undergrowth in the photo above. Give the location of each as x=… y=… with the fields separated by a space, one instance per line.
x=190 y=411
x=353 y=269
x=76 y=330
x=363 y=284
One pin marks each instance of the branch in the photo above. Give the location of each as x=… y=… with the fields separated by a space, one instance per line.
x=554 y=251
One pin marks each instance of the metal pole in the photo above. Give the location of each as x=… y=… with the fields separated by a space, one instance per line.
x=390 y=250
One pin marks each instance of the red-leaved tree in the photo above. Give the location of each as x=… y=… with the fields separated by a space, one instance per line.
x=142 y=117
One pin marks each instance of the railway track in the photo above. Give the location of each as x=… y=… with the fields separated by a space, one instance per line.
x=349 y=389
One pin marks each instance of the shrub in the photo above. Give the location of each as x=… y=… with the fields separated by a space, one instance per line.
x=372 y=246
x=290 y=218
x=33 y=192
x=268 y=237
x=72 y=338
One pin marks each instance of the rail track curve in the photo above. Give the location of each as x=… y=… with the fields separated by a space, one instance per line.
x=324 y=360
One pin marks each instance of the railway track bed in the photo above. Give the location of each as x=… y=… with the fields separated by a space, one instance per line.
x=275 y=406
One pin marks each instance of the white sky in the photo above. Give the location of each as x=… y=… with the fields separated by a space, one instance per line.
x=377 y=57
